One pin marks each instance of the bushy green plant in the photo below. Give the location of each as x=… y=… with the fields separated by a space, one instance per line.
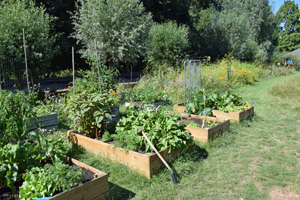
x=145 y=95
x=88 y=112
x=44 y=181
x=161 y=129
x=89 y=82
x=15 y=115
x=166 y=41
x=17 y=157
x=213 y=100
x=118 y=31
x=18 y=14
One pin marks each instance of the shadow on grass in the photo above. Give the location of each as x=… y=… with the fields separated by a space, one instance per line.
x=117 y=192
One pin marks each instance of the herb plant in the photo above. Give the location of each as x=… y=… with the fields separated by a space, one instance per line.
x=88 y=112
x=161 y=129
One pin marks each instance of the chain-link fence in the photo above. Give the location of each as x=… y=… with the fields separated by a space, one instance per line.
x=12 y=74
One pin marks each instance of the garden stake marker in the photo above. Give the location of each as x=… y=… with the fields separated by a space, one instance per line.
x=166 y=164
x=99 y=78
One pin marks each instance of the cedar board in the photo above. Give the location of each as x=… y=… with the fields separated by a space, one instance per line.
x=234 y=116
x=146 y=164
x=203 y=135
x=95 y=189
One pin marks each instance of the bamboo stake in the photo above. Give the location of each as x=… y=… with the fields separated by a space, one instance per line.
x=99 y=77
x=131 y=84
x=25 y=60
x=73 y=67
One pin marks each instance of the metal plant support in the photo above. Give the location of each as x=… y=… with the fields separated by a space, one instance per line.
x=192 y=78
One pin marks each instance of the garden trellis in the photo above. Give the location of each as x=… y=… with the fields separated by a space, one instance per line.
x=192 y=78
x=12 y=74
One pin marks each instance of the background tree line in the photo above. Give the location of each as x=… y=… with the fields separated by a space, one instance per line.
x=139 y=32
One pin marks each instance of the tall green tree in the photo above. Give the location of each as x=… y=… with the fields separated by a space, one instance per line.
x=18 y=14
x=247 y=27
x=61 y=10
x=119 y=28
x=288 y=26
x=166 y=41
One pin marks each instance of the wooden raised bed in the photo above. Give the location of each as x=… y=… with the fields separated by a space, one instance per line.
x=204 y=134
x=95 y=189
x=48 y=122
x=146 y=164
x=234 y=116
x=179 y=108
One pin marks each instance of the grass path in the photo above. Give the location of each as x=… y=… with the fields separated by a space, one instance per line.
x=258 y=160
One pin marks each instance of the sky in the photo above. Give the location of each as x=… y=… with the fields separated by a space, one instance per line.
x=279 y=3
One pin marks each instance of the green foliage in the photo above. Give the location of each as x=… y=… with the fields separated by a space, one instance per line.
x=15 y=15
x=288 y=26
x=119 y=28
x=166 y=41
x=43 y=182
x=234 y=108
x=16 y=158
x=145 y=95
x=161 y=129
x=193 y=125
x=213 y=100
x=210 y=123
x=90 y=80
x=107 y=136
x=88 y=112
x=15 y=116
x=252 y=41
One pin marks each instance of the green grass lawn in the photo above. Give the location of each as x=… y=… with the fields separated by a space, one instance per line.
x=260 y=159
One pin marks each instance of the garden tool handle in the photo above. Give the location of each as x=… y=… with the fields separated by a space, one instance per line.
x=161 y=158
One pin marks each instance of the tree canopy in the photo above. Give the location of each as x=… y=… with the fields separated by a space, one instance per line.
x=18 y=14
x=119 y=28
x=288 y=26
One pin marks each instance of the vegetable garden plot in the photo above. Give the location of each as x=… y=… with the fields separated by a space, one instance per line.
x=234 y=116
x=95 y=189
x=205 y=134
x=146 y=164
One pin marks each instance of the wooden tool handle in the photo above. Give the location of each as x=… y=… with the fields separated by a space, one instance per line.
x=156 y=150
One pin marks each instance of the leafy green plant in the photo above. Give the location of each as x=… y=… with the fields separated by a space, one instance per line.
x=194 y=125
x=210 y=123
x=106 y=136
x=88 y=112
x=15 y=115
x=213 y=100
x=145 y=95
x=16 y=158
x=89 y=82
x=42 y=182
x=233 y=108
x=161 y=129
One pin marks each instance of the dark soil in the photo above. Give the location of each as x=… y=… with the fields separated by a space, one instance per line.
x=188 y=120
x=6 y=193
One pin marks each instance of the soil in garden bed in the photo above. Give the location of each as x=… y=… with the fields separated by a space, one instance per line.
x=189 y=120
x=6 y=193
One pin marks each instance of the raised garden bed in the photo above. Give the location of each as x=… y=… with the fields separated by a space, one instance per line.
x=204 y=134
x=139 y=104
x=95 y=189
x=146 y=164
x=234 y=116
x=95 y=186
x=48 y=122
